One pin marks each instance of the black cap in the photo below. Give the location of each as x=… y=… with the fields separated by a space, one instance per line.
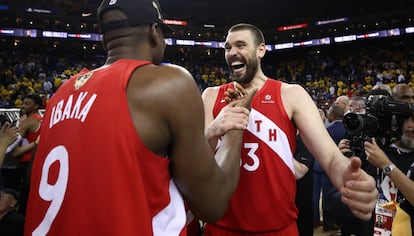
x=138 y=12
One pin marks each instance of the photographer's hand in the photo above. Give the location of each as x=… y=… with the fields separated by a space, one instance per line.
x=359 y=191
x=344 y=146
x=375 y=155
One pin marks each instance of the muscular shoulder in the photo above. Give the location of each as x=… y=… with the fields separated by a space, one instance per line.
x=209 y=97
x=164 y=82
x=292 y=89
x=294 y=96
x=210 y=92
x=162 y=98
x=163 y=88
x=173 y=73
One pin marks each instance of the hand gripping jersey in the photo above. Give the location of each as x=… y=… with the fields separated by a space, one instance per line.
x=264 y=200
x=92 y=175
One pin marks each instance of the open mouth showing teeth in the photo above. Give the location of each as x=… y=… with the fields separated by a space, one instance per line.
x=235 y=67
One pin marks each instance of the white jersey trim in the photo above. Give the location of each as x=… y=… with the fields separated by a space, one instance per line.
x=281 y=146
x=172 y=219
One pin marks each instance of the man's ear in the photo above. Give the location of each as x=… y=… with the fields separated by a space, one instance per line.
x=261 y=50
x=154 y=34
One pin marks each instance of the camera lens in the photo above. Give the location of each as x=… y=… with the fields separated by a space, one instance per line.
x=359 y=122
x=353 y=122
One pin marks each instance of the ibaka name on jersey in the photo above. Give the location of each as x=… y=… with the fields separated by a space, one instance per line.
x=72 y=108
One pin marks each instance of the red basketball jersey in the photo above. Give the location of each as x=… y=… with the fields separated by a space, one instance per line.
x=264 y=200
x=92 y=175
x=31 y=137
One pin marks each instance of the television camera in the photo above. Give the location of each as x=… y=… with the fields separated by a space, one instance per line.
x=383 y=121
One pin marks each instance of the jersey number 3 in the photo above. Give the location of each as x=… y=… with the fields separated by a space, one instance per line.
x=252 y=155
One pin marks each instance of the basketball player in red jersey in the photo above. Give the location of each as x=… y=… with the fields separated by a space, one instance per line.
x=264 y=201
x=29 y=132
x=29 y=126
x=123 y=146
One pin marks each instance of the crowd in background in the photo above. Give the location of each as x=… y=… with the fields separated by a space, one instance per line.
x=347 y=70
x=351 y=71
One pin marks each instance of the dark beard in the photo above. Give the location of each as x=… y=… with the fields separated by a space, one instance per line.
x=251 y=70
x=407 y=142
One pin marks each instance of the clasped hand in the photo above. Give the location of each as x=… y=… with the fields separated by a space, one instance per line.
x=235 y=115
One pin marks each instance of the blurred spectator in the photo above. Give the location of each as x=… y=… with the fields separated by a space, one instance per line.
x=351 y=71
x=357 y=105
x=403 y=93
x=11 y=222
x=343 y=102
